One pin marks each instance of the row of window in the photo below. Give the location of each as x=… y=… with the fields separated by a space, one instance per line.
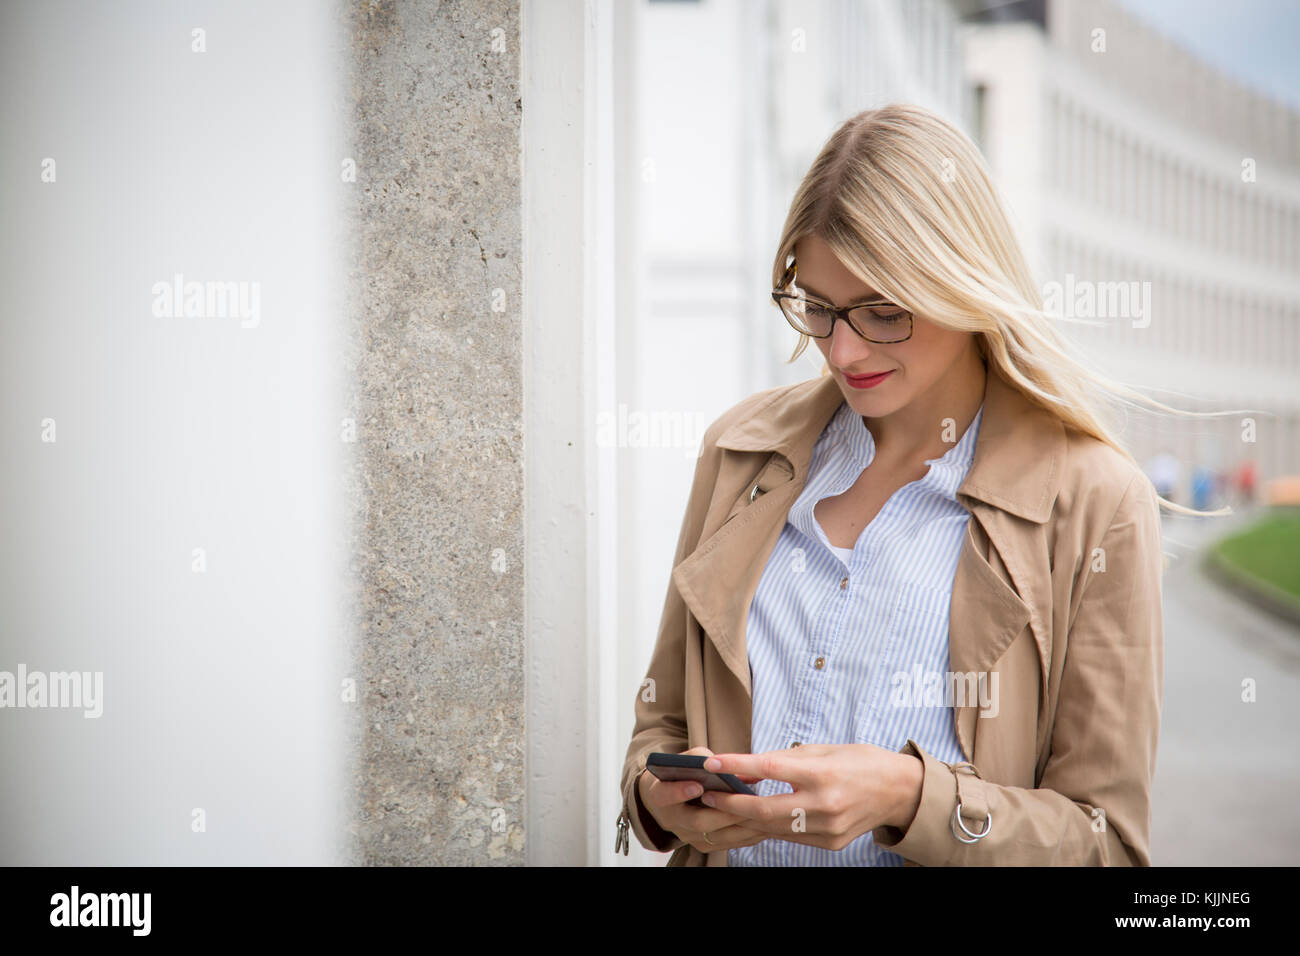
x=1174 y=313
x=884 y=48
x=1126 y=177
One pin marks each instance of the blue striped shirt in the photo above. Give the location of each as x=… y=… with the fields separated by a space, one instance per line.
x=831 y=632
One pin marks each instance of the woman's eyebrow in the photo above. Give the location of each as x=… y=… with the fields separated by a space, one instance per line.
x=810 y=289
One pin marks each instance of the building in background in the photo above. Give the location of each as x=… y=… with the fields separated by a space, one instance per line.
x=1128 y=160
x=736 y=98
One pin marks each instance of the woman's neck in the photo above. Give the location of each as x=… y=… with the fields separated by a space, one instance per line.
x=916 y=432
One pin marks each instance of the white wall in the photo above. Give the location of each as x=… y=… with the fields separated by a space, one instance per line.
x=221 y=689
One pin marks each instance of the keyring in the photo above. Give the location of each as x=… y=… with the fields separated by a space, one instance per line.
x=706 y=838
x=974 y=837
x=753 y=494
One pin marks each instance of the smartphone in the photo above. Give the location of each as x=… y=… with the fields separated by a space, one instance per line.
x=691 y=767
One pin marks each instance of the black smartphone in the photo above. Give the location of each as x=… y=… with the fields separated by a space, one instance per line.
x=691 y=767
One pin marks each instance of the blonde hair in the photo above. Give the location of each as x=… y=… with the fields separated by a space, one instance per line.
x=905 y=201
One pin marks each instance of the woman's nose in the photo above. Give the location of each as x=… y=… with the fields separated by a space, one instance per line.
x=847 y=347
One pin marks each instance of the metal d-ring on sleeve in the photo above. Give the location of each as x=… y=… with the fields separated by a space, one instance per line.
x=971 y=775
x=970 y=837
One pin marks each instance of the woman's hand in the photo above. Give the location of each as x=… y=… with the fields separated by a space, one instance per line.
x=666 y=801
x=841 y=791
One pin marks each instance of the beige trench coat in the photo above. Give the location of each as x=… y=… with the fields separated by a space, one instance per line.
x=1057 y=589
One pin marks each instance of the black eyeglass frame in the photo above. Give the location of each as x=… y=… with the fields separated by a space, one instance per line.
x=843 y=314
x=778 y=295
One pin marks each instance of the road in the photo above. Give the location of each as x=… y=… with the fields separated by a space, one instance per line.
x=1227 y=771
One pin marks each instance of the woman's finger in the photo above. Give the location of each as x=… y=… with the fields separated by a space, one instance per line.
x=668 y=793
x=727 y=838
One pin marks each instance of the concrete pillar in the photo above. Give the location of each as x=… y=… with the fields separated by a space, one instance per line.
x=439 y=536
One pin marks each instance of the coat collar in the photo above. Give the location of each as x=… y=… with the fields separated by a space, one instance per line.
x=1014 y=478
x=1017 y=456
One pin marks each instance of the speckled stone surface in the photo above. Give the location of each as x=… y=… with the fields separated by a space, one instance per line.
x=439 y=654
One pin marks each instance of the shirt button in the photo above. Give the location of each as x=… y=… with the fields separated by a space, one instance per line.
x=844 y=582
x=819 y=663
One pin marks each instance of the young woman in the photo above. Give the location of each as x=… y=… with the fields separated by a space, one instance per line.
x=916 y=603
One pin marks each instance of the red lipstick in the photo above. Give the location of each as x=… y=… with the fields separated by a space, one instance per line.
x=867 y=381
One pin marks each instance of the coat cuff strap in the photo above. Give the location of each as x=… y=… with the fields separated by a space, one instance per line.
x=929 y=839
x=971 y=820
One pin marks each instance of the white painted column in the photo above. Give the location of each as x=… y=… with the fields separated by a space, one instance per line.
x=568 y=63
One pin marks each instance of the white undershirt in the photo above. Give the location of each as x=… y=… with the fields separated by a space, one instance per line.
x=844 y=553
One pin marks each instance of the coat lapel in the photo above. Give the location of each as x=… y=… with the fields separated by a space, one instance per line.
x=1010 y=491
x=718 y=580
x=1010 y=488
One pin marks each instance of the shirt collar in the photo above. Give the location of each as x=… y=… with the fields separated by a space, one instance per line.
x=854 y=439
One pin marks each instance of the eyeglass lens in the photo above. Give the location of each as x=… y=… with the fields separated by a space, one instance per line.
x=883 y=323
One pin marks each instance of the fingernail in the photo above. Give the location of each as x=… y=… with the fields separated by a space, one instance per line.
x=707 y=799
x=694 y=790
x=713 y=763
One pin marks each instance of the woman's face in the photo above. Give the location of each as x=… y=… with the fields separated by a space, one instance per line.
x=921 y=366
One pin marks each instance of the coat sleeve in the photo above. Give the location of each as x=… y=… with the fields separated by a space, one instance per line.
x=661 y=721
x=1092 y=806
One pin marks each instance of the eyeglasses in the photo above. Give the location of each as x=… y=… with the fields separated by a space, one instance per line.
x=877 y=320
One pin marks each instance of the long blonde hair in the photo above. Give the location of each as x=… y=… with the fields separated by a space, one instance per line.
x=905 y=201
